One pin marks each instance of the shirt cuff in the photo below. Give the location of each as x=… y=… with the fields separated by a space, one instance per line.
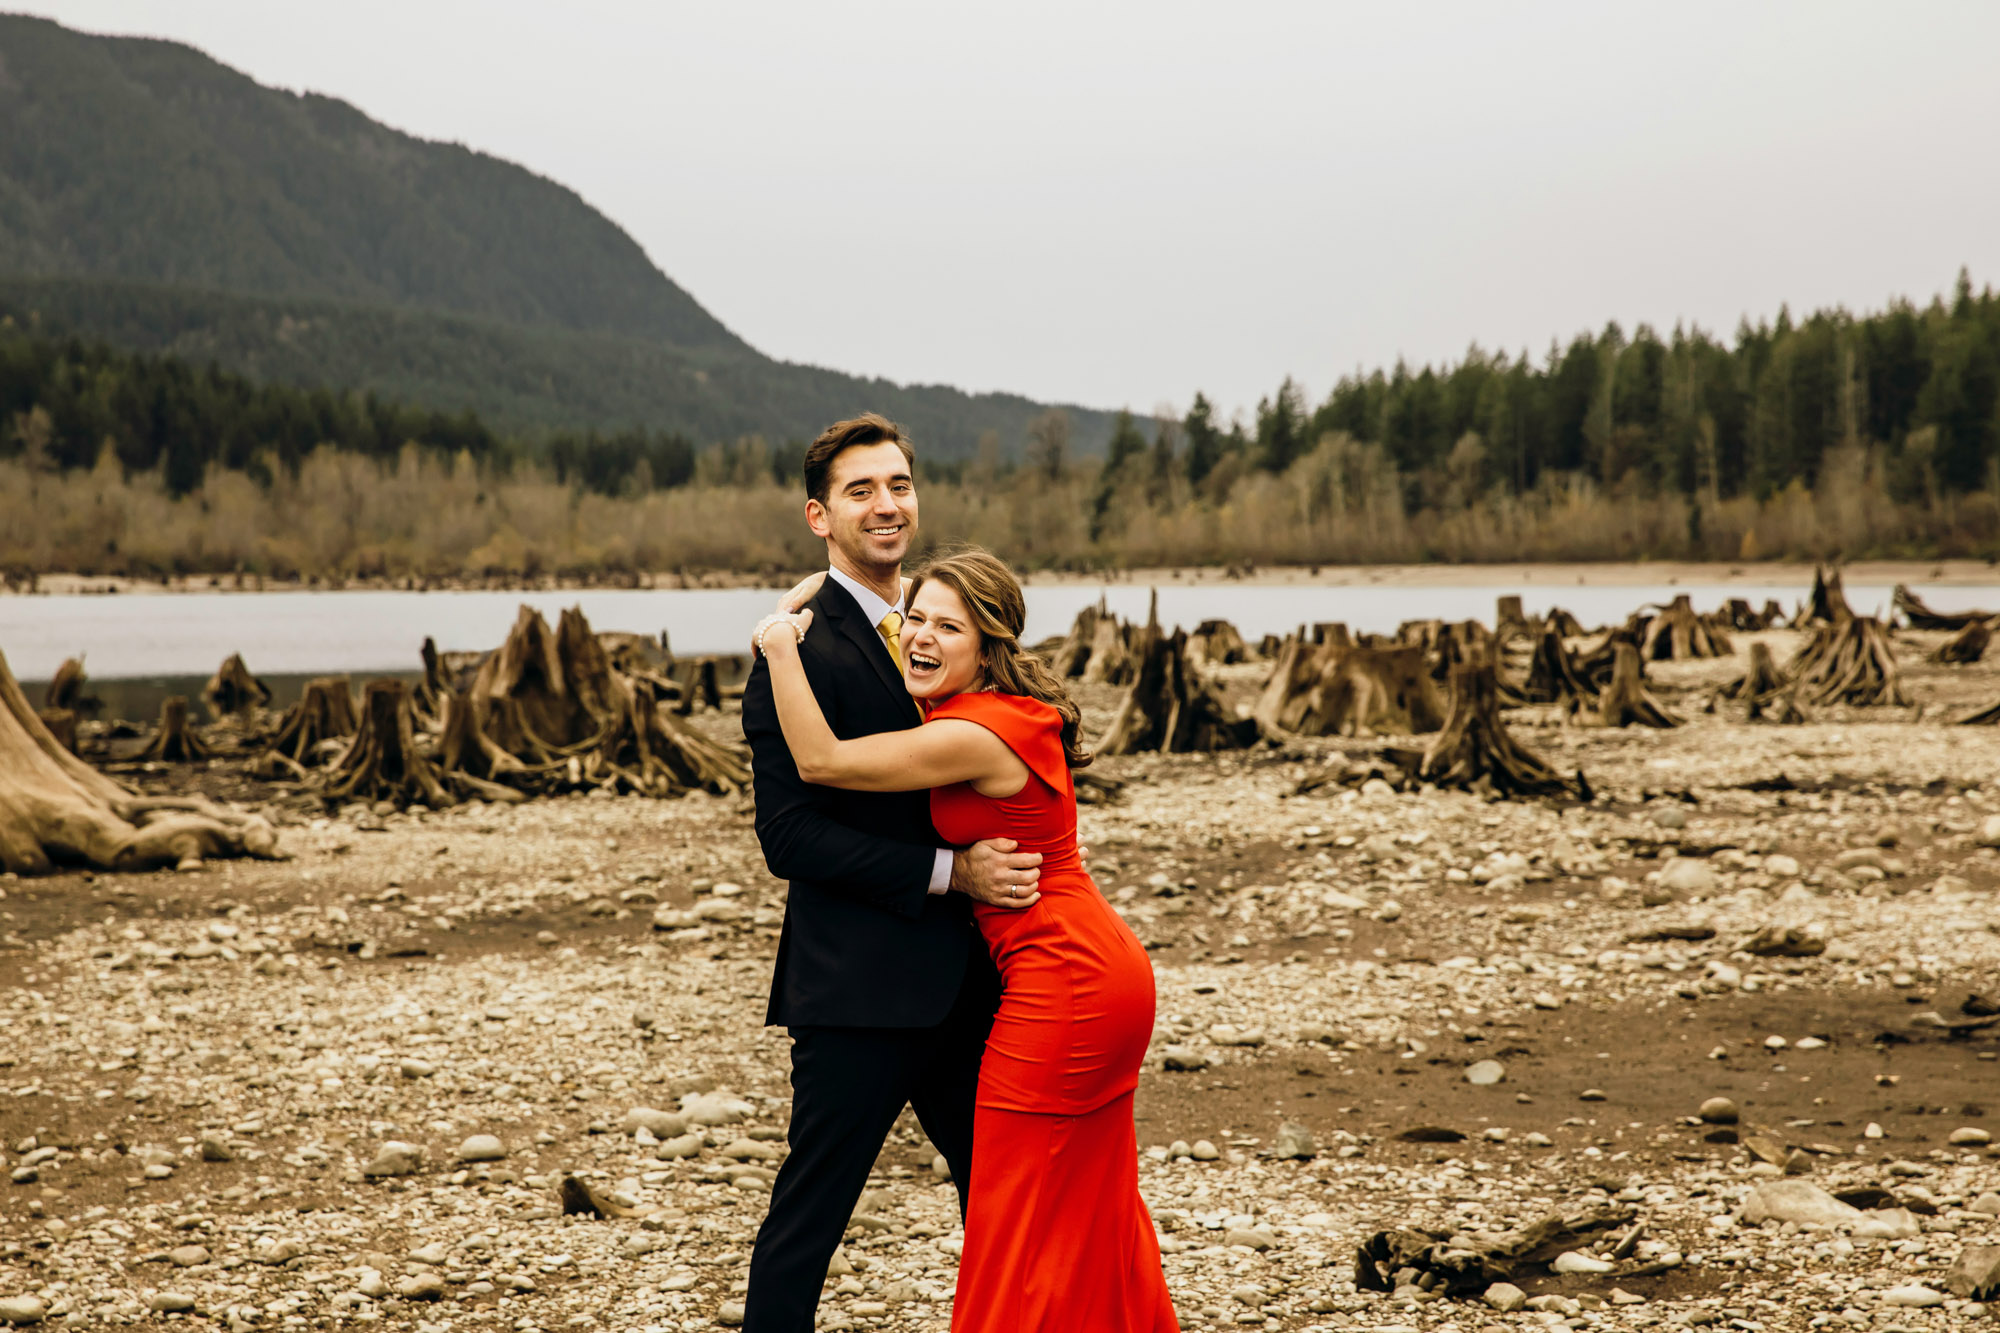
x=941 y=871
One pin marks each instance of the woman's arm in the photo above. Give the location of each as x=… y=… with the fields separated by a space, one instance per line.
x=936 y=754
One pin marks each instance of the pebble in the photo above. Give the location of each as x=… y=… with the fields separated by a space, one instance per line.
x=1914 y=1296
x=1204 y=1151
x=1987 y=1203
x=170 y=1302
x=1569 y=1261
x=1970 y=1137
x=187 y=1256
x=1505 y=1297
x=1485 y=1073
x=1294 y=1143
x=1685 y=875
x=395 y=1158
x=22 y=1309
x=421 y=1287
x=482 y=1148
x=1718 y=1111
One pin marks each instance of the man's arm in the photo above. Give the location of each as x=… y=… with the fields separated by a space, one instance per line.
x=800 y=840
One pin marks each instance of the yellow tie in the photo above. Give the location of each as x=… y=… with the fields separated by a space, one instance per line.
x=892 y=634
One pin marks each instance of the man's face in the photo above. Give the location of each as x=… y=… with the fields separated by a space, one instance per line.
x=870 y=513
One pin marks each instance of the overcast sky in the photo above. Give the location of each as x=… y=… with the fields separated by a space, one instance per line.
x=1122 y=204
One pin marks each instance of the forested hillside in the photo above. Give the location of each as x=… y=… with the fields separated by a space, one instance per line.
x=157 y=200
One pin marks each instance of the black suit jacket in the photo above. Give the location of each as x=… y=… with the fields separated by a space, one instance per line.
x=865 y=942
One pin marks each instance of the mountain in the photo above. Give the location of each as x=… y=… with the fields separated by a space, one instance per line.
x=155 y=198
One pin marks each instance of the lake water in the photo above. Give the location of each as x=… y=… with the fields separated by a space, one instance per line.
x=286 y=634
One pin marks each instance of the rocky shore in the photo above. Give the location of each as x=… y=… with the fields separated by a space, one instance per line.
x=1737 y=1003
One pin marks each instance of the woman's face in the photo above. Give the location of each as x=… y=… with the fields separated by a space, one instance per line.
x=940 y=644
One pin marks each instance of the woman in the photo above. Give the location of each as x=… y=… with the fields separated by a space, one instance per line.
x=1056 y=1235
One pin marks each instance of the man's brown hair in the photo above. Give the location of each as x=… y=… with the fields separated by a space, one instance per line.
x=868 y=428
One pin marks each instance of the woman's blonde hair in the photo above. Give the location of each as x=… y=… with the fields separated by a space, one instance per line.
x=993 y=596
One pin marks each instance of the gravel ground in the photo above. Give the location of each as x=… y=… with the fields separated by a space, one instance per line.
x=345 y=1088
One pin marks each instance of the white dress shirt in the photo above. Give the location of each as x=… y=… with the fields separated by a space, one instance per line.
x=874 y=608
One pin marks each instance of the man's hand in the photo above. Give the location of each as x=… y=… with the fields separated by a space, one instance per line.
x=992 y=872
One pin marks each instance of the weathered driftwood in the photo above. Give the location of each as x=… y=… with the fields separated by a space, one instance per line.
x=1624 y=701
x=1475 y=751
x=316 y=727
x=1908 y=605
x=1171 y=707
x=1466 y=1264
x=1676 y=633
x=1351 y=691
x=232 y=689
x=55 y=809
x=1966 y=646
x=1849 y=661
x=1596 y=665
x=175 y=740
x=1988 y=716
x=1826 y=604
x=1554 y=676
x=62 y=725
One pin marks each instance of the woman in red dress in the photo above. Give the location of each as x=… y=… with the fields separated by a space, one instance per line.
x=1057 y=1239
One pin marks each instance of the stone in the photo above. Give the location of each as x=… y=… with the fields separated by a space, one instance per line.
x=1989 y=831
x=482 y=1148
x=273 y=1251
x=1797 y=1201
x=1569 y=1261
x=432 y=1254
x=1670 y=816
x=1505 y=1297
x=1970 y=1137
x=715 y=1108
x=748 y=1150
x=1782 y=866
x=1485 y=1074
x=1975 y=1274
x=215 y=1148
x=1204 y=1151
x=1222 y=1034
x=1888 y=1224
x=187 y=1256
x=1182 y=1059
x=170 y=1302
x=1294 y=1143
x=421 y=1287
x=395 y=1159
x=1684 y=874
x=416 y=1068
x=22 y=1310
x=661 y=1124
x=730 y=1314
x=687 y=1145
x=1987 y=1204
x=1913 y=1295
x=1718 y=1111
x=1251 y=1237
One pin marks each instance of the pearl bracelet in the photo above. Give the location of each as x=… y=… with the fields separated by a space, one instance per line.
x=772 y=623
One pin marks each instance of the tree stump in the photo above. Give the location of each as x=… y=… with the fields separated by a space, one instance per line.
x=648 y=752
x=1553 y=674
x=1677 y=634
x=1509 y=620
x=1171 y=707
x=1073 y=653
x=1827 y=602
x=1920 y=616
x=1114 y=651
x=1849 y=661
x=312 y=727
x=1597 y=664
x=1351 y=691
x=382 y=762
x=175 y=741
x=1566 y=624
x=1216 y=643
x=429 y=699
x=55 y=809
x=232 y=689
x=464 y=748
x=65 y=689
x=1331 y=634
x=1966 y=646
x=699 y=685
x=1764 y=689
x=1625 y=702
x=1474 y=750
x=62 y=725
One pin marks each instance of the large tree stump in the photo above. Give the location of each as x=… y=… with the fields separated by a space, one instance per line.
x=1677 y=633
x=1849 y=661
x=175 y=742
x=313 y=728
x=232 y=689
x=430 y=699
x=1350 y=691
x=648 y=752
x=62 y=725
x=1072 y=654
x=1510 y=621
x=55 y=809
x=1920 y=616
x=1553 y=675
x=1475 y=751
x=699 y=684
x=382 y=763
x=1625 y=702
x=1966 y=646
x=1566 y=624
x=1768 y=696
x=1171 y=707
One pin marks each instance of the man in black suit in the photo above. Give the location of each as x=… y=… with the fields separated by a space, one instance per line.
x=881 y=977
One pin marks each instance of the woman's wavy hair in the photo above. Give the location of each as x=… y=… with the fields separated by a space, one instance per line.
x=999 y=611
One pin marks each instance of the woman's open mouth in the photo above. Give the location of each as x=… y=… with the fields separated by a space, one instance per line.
x=923 y=667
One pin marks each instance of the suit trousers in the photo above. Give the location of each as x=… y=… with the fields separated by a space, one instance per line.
x=848 y=1087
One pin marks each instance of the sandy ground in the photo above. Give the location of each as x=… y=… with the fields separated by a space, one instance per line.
x=1953 y=573
x=199 y=1071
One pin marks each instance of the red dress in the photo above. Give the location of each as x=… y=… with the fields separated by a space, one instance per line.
x=1057 y=1239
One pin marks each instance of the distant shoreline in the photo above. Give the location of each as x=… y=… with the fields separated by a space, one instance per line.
x=1630 y=573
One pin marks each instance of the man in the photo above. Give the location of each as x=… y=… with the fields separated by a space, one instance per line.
x=881 y=977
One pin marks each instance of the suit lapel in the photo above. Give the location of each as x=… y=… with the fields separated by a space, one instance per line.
x=843 y=616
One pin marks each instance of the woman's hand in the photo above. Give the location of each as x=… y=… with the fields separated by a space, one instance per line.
x=771 y=634
x=802 y=592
